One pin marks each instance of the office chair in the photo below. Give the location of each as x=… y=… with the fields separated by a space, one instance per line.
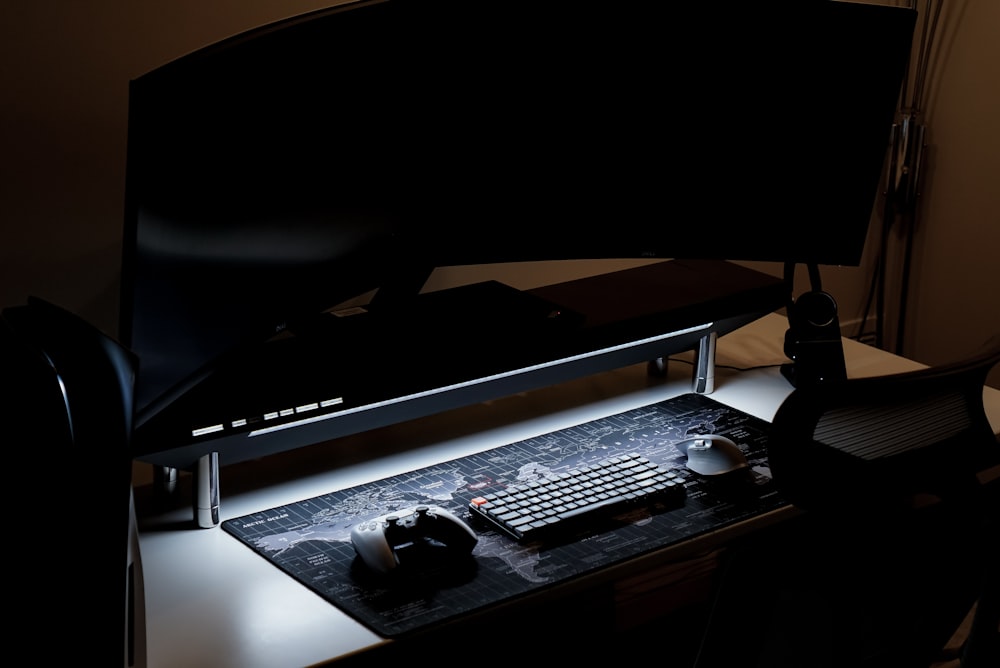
x=896 y=538
x=66 y=408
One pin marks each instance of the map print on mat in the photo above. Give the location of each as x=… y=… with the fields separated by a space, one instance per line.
x=310 y=540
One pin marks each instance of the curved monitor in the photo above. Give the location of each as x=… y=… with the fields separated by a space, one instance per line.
x=285 y=170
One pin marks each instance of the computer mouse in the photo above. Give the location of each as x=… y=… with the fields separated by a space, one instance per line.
x=712 y=454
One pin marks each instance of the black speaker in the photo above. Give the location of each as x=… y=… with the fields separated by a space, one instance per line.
x=66 y=413
x=813 y=341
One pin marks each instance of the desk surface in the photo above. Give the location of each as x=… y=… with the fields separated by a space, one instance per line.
x=210 y=601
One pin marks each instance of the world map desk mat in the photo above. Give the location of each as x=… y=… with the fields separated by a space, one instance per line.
x=310 y=540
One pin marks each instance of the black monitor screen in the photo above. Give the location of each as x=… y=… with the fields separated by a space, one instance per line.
x=287 y=169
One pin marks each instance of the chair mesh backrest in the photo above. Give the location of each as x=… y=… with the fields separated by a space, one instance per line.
x=885 y=430
x=879 y=440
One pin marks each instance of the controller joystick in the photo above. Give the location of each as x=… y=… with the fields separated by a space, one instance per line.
x=382 y=542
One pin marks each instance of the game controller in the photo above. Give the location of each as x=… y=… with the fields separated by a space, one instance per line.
x=382 y=542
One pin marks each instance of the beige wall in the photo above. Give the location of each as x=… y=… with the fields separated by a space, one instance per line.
x=64 y=72
x=958 y=232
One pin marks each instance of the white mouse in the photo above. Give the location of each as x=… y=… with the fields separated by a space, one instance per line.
x=711 y=454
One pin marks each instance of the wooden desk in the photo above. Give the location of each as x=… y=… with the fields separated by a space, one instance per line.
x=212 y=602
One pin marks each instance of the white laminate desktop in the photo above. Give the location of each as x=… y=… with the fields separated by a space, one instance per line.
x=212 y=602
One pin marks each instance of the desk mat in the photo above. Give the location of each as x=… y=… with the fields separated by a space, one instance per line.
x=310 y=539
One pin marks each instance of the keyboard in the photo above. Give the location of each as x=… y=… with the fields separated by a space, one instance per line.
x=586 y=495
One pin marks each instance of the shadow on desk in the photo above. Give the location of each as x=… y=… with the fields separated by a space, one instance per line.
x=658 y=616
